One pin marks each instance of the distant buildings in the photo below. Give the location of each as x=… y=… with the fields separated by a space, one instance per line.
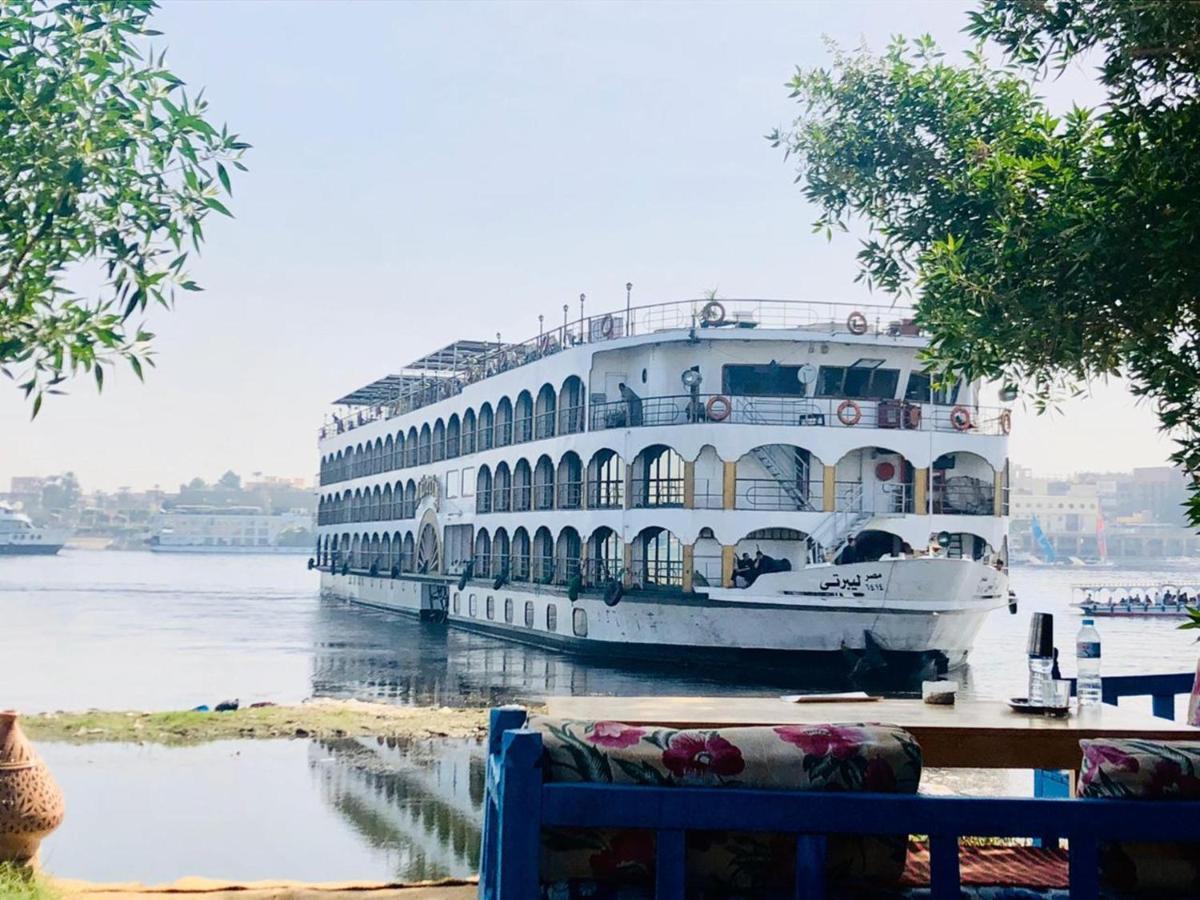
x=1127 y=515
x=283 y=510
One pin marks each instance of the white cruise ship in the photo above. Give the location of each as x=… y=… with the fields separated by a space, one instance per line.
x=19 y=536
x=231 y=529
x=749 y=480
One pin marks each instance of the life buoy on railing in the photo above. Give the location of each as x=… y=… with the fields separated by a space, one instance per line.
x=1006 y=421
x=718 y=408
x=849 y=412
x=713 y=312
x=606 y=326
x=885 y=471
x=960 y=418
x=856 y=322
x=547 y=343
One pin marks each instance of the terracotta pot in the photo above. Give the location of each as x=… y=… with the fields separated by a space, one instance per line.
x=31 y=805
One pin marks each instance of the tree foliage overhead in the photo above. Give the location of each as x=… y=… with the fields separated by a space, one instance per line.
x=108 y=170
x=1043 y=250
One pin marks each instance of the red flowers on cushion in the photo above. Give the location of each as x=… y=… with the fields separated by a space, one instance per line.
x=702 y=754
x=615 y=735
x=823 y=740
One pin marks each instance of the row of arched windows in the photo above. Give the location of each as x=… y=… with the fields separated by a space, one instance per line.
x=527 y=418
x=538 y=557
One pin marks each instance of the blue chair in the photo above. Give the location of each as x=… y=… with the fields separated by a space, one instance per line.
x=520 y=803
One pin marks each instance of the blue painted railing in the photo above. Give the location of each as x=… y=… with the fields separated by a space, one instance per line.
x=519 y=805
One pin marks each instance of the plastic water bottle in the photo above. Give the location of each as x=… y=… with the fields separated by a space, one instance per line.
x=1087 y=664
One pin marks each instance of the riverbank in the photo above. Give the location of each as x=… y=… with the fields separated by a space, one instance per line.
x=321 y=719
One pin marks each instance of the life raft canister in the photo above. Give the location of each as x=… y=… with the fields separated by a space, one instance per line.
x=718 y=408
x=849 y=412
x=856 y=322
x=1006 y=421
x=960 y=418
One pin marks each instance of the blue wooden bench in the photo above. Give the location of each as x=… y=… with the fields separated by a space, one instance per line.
x=519 y=804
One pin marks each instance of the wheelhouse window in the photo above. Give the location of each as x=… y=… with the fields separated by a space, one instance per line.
x=920 y=390
x=768 y=380
x=865 y=380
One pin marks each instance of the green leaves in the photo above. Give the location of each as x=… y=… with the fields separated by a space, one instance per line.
x=1042 y=250
x=106 y=162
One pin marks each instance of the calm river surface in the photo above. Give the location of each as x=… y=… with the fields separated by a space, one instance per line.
x=148 y=631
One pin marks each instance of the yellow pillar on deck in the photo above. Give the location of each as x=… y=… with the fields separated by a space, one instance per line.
x=728 y=561
x=627 y=570
x=688 y=565
x=689 y=486
x=998 y=500
x=729 y=486
x=829 y=489
x=921 y=492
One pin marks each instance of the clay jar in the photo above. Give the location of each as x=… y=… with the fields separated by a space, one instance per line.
x=31 y=805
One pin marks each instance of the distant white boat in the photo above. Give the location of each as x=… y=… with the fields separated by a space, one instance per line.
x=20 y=537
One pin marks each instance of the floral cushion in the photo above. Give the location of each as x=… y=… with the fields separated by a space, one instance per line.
x=1150 y=770
x=857 y=757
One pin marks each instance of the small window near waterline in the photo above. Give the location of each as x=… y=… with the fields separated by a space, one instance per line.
x=552 y=618
x=473 y=606
x=579 y=622
x=491 y=607
x=508 y=610
x=528 y=613
x=457 y=604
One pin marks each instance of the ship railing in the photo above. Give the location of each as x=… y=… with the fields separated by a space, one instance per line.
x=656 y=492
x=771 y=494
x=689 y=409
x=606 y=493
x=826 y=318
x=570 y=494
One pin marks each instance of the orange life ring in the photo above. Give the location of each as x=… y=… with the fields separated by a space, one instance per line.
x=960 y=418
x=1006 y=421
x=856 y=322
x=885 y=471
x=606 y=326
x=721 y=402
x=849 y=412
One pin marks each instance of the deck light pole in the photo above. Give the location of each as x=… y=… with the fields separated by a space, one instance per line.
x=628 y=292
x=582 y=297
x=566 y=309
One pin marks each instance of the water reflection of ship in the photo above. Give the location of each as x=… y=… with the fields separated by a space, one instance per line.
x=419 y=801
x=368 y=654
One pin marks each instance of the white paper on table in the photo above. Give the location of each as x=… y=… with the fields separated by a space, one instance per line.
x=848 y=697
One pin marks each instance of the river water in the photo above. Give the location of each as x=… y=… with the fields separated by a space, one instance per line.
x=150 y=631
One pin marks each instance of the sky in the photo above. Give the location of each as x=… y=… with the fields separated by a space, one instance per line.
x=424 y=172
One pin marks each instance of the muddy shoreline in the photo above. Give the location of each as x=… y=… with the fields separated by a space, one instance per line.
x=313 y=719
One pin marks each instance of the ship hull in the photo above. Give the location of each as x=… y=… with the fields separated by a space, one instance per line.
x=29 y=549
x=920 y=617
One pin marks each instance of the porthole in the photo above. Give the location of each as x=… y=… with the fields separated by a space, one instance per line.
x=457 y=610
x=579 y=622
x=491 y=607
x=528 y=613
x=552 y=618
x=473 y=605
x=643 y=376
x=508 y=610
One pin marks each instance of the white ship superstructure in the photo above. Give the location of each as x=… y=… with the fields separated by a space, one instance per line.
x=229 y=529
x=608 y=487
x=20 y=537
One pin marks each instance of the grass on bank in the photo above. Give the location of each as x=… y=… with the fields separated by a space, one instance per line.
x=316 y=719
x=20 y=883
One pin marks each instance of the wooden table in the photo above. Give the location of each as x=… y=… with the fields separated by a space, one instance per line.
x=971 y=734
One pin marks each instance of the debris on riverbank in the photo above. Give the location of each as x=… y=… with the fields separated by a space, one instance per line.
x=313 y=719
